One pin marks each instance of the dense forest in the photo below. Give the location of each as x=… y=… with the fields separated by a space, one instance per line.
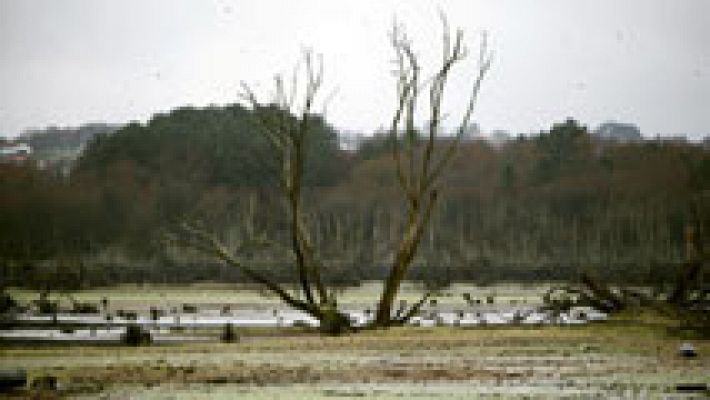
x=545 y=207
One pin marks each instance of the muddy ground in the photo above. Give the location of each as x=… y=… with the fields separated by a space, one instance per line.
x=624 y=358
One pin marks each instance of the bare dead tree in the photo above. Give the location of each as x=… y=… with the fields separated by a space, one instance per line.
x=419 y=166
x=286 y=125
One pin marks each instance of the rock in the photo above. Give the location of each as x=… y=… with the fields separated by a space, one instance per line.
x=687 y=350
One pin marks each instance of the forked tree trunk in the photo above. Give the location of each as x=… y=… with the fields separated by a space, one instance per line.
x=418 y=166
x=403 y=259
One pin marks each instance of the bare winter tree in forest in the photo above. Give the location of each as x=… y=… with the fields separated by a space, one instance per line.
x=286 y=122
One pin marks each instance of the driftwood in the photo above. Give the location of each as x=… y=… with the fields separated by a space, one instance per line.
x=594 y=294
x=680 y=302
x=602 y=297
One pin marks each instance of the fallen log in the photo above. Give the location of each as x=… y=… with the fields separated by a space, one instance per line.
x=607 y=300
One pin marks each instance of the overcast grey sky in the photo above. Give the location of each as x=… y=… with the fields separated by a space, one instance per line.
x=74 y=61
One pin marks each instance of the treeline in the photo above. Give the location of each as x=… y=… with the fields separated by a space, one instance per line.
x=107 y=221
x=538 y=208
x=555 y=205
x=54 y=138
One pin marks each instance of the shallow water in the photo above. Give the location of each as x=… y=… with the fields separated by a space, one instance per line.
x=97 y=329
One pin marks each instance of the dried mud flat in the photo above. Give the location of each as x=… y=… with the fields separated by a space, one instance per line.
x=597 y=361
